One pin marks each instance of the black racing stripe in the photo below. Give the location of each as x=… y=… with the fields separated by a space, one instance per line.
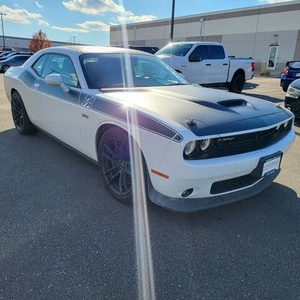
x=119 y=111
x=57 y=92
x=153 y=125
x=27 y=78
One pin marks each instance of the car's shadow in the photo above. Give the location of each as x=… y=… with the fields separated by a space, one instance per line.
x=250 y=86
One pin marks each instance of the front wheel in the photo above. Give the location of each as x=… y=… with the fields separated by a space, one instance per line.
x=237 y=83
x=115 y=165
x=20 y=117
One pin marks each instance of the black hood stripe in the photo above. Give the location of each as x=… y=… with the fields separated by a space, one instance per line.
x=119 y=111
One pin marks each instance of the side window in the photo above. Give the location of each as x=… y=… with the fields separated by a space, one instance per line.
x=216 y=52
x=67 y=71
x=57 y=63
x=21 y=58
x=39 y=64
x=201 y=52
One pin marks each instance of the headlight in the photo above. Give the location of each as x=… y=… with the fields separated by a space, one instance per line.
x=286 y=124
x=293 y=92
x=204 y=144
x=190 y=148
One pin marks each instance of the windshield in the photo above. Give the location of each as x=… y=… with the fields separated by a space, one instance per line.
x=175 y=50
x=296 y=65
x=114 y=70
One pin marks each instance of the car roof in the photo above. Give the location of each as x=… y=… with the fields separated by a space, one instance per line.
x=81 y=49
x=195 y=42
x=17 y=55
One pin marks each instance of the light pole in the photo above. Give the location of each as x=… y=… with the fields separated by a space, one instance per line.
x=74 y=37
x=2 y=14
x=172 y=20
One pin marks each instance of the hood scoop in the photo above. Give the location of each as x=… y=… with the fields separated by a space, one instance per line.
x=233 y=102
x=190 y=122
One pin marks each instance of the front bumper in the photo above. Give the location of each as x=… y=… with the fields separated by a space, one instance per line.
x=214 y=182
x=196 y=204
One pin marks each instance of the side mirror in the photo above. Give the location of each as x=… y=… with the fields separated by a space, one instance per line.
x=56 y=80
x=194 y=58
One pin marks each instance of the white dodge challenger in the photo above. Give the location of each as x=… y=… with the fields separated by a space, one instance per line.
x=199 y=147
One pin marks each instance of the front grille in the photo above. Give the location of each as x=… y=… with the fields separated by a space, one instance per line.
x=243 y=143
x=244 y=181
x=233 y=184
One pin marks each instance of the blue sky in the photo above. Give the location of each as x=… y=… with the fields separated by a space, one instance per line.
x=88 y=21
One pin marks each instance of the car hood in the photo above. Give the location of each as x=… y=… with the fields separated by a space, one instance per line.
x=204 y=111
x=296 y=84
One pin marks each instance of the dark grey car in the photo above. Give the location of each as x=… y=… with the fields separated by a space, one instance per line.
x=16 y=60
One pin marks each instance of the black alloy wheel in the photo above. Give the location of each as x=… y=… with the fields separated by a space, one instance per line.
x=115 y=165
x=237 y=83
x=20 y=117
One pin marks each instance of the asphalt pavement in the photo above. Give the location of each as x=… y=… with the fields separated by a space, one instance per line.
x=63 y=237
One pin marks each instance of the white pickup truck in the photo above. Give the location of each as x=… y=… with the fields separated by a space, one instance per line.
x=208 y=64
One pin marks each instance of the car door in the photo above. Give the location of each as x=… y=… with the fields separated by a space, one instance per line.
x=219 y=64
x=199 y=66
x=55 y=111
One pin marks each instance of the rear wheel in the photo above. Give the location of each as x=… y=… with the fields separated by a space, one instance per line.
x=20 y=117
x=115 y=165
x=285 y=88
x=237 y=83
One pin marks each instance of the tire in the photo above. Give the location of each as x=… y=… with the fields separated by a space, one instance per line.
x=115 y=165
x=285 y=88
x=5 y=68
x=20 y=117
x=237 y=83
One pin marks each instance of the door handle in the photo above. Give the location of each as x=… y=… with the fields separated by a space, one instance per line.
x=225 y=64
x=208 y=65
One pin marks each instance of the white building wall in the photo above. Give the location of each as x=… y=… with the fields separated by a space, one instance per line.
x=230 y=26
x=246 y=32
